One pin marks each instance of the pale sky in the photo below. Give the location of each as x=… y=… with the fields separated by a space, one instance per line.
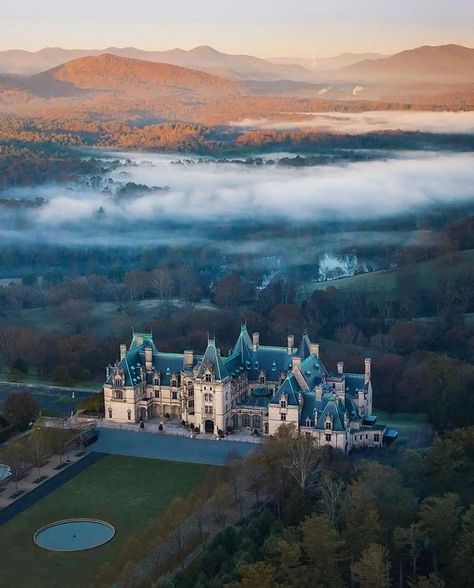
x=267 y=28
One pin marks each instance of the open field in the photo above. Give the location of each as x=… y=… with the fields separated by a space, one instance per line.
x=414 y=429
x=53 y=401
x=123 y=491
x=427 y=276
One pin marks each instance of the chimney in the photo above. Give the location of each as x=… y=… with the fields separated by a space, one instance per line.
x=368 y=363
x=340 y=367
x=314 y=349
x=256 y=341
x=319 y=392
x=123 y=351
x=188 y=359
x=296 y=362
x=148 y=358
x=291 y=344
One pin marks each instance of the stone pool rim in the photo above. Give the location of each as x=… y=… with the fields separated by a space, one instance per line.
x=74 y=520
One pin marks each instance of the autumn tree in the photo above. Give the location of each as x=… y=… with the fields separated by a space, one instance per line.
x=20 y=407
x=373 y=568
x=439 y=521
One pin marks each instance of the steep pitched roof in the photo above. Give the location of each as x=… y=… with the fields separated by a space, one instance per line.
x=303 y=348
x=213 y=357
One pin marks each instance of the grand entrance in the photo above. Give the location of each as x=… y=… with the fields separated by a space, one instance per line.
x=209 y=426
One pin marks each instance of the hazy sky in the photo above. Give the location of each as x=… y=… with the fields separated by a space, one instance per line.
x=304 y=28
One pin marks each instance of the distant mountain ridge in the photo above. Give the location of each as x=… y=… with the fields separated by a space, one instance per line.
x=327 y=63
x=423 y=64
x=204 y=58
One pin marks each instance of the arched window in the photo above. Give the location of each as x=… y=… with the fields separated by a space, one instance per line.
x=129 y=414
x=245 y=420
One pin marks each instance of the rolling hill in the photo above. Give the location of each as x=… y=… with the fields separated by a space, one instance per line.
x=128 y=77
x=440 y=64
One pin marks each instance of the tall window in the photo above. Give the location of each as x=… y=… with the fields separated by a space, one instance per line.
x=283 y=417
x=328 y=424
x=283 y=403
x=174 y=395
x=129 y=415
x=110 y=413
x=328 y=437
x=119 y=394
x=157 y=393
x=208 y=378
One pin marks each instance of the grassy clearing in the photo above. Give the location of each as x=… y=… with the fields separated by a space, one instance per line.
x=414 y=428
x=124 y=491
x=427 y=276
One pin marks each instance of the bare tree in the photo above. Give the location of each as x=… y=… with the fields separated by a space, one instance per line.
x=301 y=455
x=332 y=492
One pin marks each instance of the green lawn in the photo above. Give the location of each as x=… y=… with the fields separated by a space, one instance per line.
x=414 y=428
x=124 y=491
x=427 y=276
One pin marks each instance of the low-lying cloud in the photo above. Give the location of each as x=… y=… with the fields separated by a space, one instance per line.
x=205 y=195
x=368 y=122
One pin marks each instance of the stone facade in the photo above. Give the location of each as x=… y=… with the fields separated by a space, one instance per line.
x=254 y=388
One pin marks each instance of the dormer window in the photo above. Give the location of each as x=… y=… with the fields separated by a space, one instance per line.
x=118 y=380
x=261 y=379
x=283 y=403
x=156 y=380
x=174 y=383
x=328 y=425
x=208 y=378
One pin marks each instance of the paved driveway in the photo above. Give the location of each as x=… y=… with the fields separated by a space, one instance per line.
x=168 y=447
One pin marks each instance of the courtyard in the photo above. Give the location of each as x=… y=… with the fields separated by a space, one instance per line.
x=169 y=447
x=125 y=491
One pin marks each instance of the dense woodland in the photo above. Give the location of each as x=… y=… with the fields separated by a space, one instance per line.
x=419 y=334
x=347 y=523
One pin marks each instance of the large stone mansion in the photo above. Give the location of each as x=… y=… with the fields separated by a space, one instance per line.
x=255 y=387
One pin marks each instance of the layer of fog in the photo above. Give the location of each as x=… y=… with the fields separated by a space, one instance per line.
x=204 y=197
x=367 y=122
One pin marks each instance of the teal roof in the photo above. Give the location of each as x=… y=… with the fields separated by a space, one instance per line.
x=317 y=411
x=259 y=398
x=166 y=364
x=212 y=356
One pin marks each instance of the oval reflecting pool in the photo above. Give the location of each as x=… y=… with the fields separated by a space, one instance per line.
x=74 y=535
